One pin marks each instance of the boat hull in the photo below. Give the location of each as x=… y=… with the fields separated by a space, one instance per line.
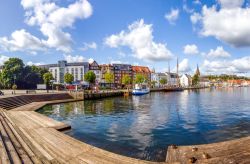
x=138 y=93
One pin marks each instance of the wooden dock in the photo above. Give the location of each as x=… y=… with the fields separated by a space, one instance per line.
x=29 y=137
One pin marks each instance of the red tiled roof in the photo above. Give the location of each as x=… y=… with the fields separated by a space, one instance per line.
x=141 y=69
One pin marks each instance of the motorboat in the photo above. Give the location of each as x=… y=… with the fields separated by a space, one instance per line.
x=140 y=89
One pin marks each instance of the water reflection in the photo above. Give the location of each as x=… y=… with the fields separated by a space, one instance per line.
x=144 y=126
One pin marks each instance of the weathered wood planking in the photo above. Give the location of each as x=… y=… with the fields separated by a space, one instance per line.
x=234 y=151
x=29 y=137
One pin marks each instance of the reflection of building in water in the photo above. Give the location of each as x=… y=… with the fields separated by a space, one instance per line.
x=148 y=116
x=188 y=111
x=56 y=109
x=78 y=108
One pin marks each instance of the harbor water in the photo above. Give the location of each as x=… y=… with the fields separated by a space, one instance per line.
x=144 y=126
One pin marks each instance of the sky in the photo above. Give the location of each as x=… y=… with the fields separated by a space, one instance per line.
x=214 y=34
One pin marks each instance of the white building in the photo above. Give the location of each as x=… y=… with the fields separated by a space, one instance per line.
x=185 y=80
x=172 y=79
x=204 y=82
x=59 y=70
x=157 y=78
x=93 y=66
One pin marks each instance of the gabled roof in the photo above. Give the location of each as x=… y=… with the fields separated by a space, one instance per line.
x=141 y=69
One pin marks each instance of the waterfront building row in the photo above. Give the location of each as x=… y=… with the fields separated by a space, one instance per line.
x=78 y=69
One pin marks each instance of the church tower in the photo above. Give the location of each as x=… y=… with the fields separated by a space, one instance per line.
x=198 y=70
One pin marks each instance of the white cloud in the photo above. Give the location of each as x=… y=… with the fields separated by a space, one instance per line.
x=72 y=59
x=3 y=59
x=30 y=63
x=190 y=49
x=197 y=2
x=139 y=39
x=184 y=67
x=51 y=20
x=172 y=16
x=87 y=46
x=187 y=9
x=219 y=52
x=90 y=60
x=21 y=40
x=116 y=62
x=241 y=65
x=230 y=23
x=230 y=3
x=195 y=17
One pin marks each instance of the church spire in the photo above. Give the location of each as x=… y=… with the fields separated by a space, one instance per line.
x=198 y=70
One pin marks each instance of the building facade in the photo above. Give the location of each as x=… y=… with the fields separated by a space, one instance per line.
x=172 y=78
x=62 y=67
x=185 y=80
x=142 y=70
x=104 y=69
x=121 y=70
x=93 y=66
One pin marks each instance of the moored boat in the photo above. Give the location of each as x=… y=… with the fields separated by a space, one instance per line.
x=140 y=89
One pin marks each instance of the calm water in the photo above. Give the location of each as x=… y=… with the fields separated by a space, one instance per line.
x=143 y=127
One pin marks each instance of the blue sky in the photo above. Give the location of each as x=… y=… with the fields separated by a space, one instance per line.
x=213 y=34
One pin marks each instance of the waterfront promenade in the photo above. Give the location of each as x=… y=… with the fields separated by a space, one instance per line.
x=29 y=137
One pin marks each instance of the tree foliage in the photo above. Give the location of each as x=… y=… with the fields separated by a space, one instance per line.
x=153 y=83
x=163 y=81
x=47 y=77
x=90 y=77
x=195 y=80
x=24 y=76
x=126 y=80
x=139 y=78
x=68 y=78
x=109 y=77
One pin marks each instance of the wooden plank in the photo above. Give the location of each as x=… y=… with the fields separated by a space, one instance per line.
x=41 y=150
x=21 y=152
x=4 y=159
x=23 y=144
x=9 y=147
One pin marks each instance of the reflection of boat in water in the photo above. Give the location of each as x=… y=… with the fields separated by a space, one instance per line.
x=140 y=89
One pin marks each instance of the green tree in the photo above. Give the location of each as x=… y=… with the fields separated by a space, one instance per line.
x=12 y=71
x=163 y=81
x=90 y=77
x=153 y=83
x=126 y=80
x=139 y=78
x=32 y=75
x=68 y=78
x=47 y=77
x=195 y=80
x=109 y=78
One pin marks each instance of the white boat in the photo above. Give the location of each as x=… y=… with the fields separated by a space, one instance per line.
x=140 y=89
